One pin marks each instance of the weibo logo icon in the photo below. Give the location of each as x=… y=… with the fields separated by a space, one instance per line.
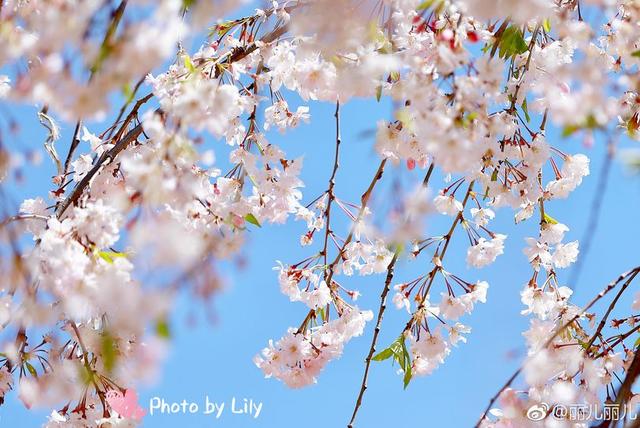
x=125 y=405
x=538 y=412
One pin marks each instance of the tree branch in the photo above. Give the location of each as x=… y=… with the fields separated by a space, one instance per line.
x=374 y=340
x=599 y=296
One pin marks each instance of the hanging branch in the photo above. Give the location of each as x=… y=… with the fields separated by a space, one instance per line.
x=104 y=160
x=629 y=276
x=332 y=182
x=374 y=339
x=381 y=310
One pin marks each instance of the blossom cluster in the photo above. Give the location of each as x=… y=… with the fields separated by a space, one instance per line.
x=148 y=192
x=297 y=358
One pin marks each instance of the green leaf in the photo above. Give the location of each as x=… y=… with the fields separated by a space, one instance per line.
x=425 y=5
x=103 y=53
x=407 y=365
x=636 y=54
x=582 y=344
x=568 y=130
x=546 y=24
x=512 y=42
x=549 y=219
x=403 y=116
x=632 y=126
x=162 y=329
x=252 y=219
x=189 y=64
x=525 y=109
x=31 y=369
x=384 y=355
x=486 y=194
x=467 y=119
x=393 y=350
x=407 y=377
x=127 y=93
x=222 y=28
x=398 y=350
x=590 y=123
x=108 y=351
x=108 y=256
x=85 y=374
x=378 y=93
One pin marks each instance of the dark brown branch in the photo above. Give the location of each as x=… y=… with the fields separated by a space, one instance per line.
x=103 y=161
x=374 y=340
x=126 y=104
x=593 y=301
x=624 y=392
x=427 y=177
x=620 y=338
x=383 y=305
x=440 y=255
x=107 y=157
x=603 y=321
x=493 y=399
x=75 y=141
x=332 y=182
x=364 y=201
x=242 y=52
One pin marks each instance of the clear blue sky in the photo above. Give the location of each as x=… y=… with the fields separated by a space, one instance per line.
x=215 y=358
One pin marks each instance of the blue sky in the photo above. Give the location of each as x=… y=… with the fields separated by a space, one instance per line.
x=214 y=358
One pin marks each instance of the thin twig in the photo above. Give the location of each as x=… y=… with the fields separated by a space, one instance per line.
x=621 y=338
x=20 y=217
x=374 y=340
x=440 y=255
x=624 y=392
x=599 y=296
x=332 y=182
x=75 y=141
x=427 y=177
x=242 y=52
x=383 y=305
x=603 y=321
x=103 y=161
x=364 y=201
x=108 y=156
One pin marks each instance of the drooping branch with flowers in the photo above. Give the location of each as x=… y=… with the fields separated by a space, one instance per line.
x=475 y=87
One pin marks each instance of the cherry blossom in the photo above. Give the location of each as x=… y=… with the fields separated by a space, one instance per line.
x=174 y=162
